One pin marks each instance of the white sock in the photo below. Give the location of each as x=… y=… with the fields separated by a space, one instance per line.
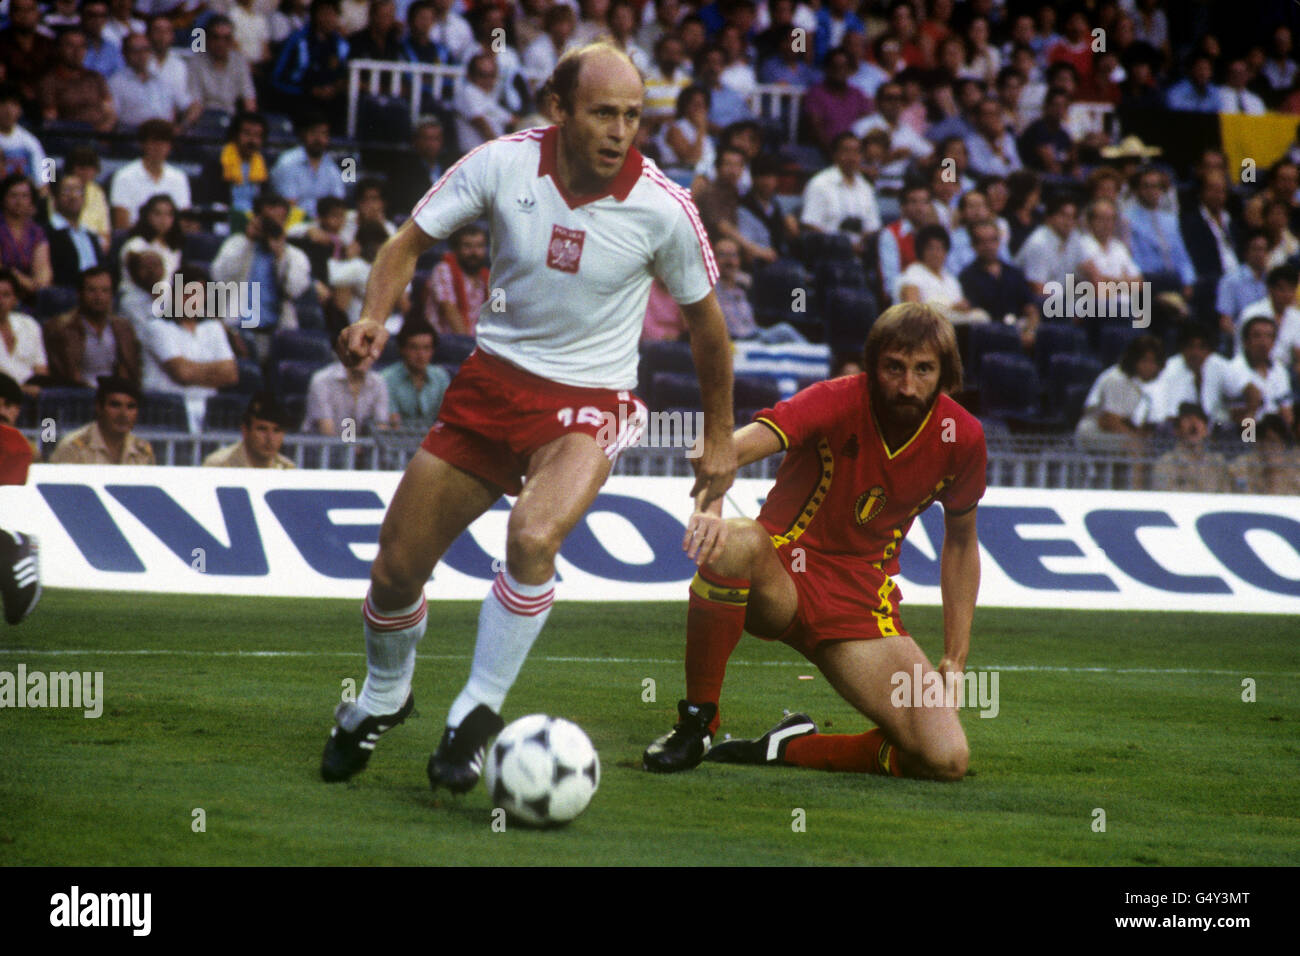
x=511 y=618
x=391 y=638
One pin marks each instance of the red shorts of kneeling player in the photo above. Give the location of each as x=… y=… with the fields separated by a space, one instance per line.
x=495 y=416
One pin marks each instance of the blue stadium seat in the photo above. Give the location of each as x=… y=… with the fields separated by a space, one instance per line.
x=68 y=407
x=224 y=411
x=988 y=338
x=1054 y=339
x=295 y=406
x=454 y=349
x=673 y=389
x=250 y=378
x=1075 y=396
x=754 y=392
x=1008 y=386
x=201 y=247
x=383 y=119
x=659 y=357
x=778 y=288
x=1066 y=371
x=1115 y=336
x=848 y=274
x=816 y=248
x=848 y=314
x=53 y=300
x=292 y=376
x=163 y=410
x=311 y=345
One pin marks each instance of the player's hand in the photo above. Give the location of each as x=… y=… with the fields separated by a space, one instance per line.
x=706 y=533
x=356 y=342
x=715 y=469
x=952 y=665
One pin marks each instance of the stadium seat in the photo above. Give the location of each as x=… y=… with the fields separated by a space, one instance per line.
x=985 y=339
x=780 y=287
x=383 y=119
x=201 y=247
x=1066 y=371
x=163 y=410
x=848 y=314
x=816 y=248
x=250 y=378
x=754 y=392
x=1114 y=337
x=669 y=389
x=454 y=349
x=69 y=408
x=659 y=357
x=53 y=300
x=292 y=376
x=1054 y=339
x=1008 y=386
x=224 y=411
x=295 y=406
x=308 y=344
x=1075 y=396
x=850 y=274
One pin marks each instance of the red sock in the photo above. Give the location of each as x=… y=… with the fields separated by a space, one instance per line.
x=715 y=620
x=853 y=753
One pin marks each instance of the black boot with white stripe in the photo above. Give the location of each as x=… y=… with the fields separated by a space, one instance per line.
x=20 y=574
x=348 y=751
x=767 y=749
x=458 y=762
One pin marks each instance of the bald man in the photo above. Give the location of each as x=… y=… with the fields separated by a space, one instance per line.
x=582 y=224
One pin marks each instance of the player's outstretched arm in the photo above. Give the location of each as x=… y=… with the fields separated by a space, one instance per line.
x=715 y=469
x=389 y=276
x=706 y=531
x=959 y=585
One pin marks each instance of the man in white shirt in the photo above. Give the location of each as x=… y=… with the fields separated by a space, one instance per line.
x=1271 y=377
x=1233 y=95
x=135 y=182
x=170 y=68
x=479 y=117
x=451 y=30
x=839 y=198
x=906 y=145
x=1200 y=376
x=1279 y=306
x=139 y=94
x=581 y=225
x=545 y=51
x=1054 y=248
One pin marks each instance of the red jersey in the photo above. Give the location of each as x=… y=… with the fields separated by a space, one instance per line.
x=840 y=491
x=15 y=456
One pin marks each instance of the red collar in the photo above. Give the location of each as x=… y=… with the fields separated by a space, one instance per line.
x=620 y=186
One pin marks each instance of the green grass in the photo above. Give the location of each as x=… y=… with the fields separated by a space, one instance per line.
x=1187 y=773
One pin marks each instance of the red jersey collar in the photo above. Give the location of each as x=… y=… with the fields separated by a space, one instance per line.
x=620 y=186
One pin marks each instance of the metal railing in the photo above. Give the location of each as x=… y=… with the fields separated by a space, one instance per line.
x=768 y=101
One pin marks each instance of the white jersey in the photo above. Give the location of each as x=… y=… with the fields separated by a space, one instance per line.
x=570 y=275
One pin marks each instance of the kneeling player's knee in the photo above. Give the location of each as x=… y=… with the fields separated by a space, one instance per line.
x=746 y=541
x=947 y=759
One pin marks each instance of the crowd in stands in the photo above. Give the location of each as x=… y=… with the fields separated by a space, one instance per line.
x=966 y=154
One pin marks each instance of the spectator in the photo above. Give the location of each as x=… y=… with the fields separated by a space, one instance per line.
x=1195 y=93
x=451 y=30
x=188 y=356
x=1118 y=412
x=140 y=94
x=1280 y=306
x=415 y=385
x=906 y=147
x=307 y=172
x=26 y=54
x=726 y=106
x=322 y=241
x=972 y=207
x=459 y=283
x=171 y=69
x=1075 y=48
x=1157 y=245
x=992 y=148
x=222 y=79
x=1233 y=95
x=1045 y=145
x=21 y=152
x=1243 y=287
x=543 y=53
x=346 y=401
x=240 y=172
x=70 y=93
x=1024 y=193
x=91 y=341
x=83 y=162
x=738 y=73
x=103 y=55
x=766 y=230
x=1190 y=466
x=311 y=72
x=479 y=116
x=108 y=439
x=151 y=255
x=687 y=143
x=665 y=82
x=732 y=290
x=888 y=62
x=902 y=24
x=897 y=245
x=832 y=107
x=666 y=15
x=261 y=436
x=348 y=278
x=928 y=279
x=991 y=283
x=418 y=169
x=289 y=17
x=61 y=16
x=835 y=19
x=983 y=59
x=277 y=272
x=1053 y=250
x=953 y=106
x=1270 y=467
x=1199 y=376
x=73 y=247
x=789 y=65
x=528 y=21
x=121 y=22
x=621 y=20
x=1282 y=242
x=147 y=176
x=418 y=47
x=1104 y=257
x=24 y=247
x=352 y=16
x=22 y=352
x=381 y=39
x=1271 y=376
x=663 y=321
x=719 y=199
x=252 y=30
x=839 y=198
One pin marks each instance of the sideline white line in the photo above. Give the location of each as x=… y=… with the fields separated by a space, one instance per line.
x=1027 y=668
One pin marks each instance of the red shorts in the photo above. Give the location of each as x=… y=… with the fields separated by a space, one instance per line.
x=838 y=600
x=495 y=415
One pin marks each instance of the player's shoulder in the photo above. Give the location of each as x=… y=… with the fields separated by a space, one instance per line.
x=968 y=429
x=846 y=396
x=654 y=188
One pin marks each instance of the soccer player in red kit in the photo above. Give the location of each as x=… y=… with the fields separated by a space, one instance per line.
x=581 y=225
x=864 y=456
x=20 y=572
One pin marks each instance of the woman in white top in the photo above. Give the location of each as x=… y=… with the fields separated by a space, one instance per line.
x=1117 y=414
x=928 y=279
x=152 y=254
x=1104 y=257
x=22 y=348
x=685 y=143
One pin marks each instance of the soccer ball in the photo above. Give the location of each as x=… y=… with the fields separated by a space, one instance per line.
x=542 y=770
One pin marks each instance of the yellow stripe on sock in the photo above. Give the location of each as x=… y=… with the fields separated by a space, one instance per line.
x=711 y=592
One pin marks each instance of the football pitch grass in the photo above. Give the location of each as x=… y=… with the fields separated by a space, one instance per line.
x=223 y=705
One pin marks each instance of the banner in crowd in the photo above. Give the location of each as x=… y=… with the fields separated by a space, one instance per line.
x=314 y=533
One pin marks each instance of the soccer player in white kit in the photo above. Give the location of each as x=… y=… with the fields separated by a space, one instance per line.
x=581 y=224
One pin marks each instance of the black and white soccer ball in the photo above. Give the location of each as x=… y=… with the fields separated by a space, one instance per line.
x=542 y=770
